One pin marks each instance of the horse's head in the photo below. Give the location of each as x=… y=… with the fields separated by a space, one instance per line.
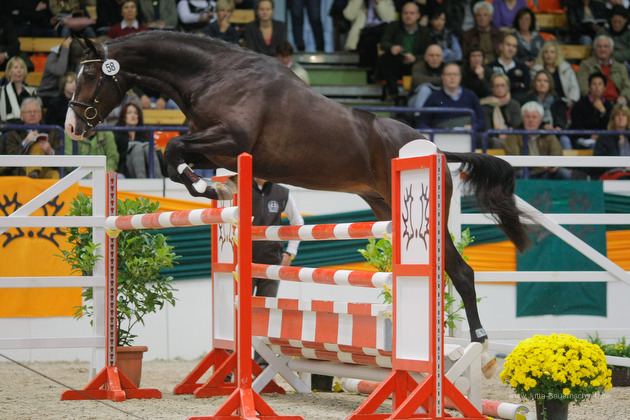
x=98 y=90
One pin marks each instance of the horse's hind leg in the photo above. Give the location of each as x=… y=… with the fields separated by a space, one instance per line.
x=463 y=278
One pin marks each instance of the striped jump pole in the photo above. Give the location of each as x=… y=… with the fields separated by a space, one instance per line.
x=372 y=279
x=360 y=230
x=197 y=217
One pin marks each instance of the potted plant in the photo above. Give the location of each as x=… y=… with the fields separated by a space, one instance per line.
x=555 y=370
x=142 y=287
x=620 y=374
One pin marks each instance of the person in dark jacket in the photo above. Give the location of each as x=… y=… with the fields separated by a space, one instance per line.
x=269 y=201
x=476 y=75
x=9 y=42
x=483 y=33
x=591 y=112
x=403 y=43
x=221 y=27
x=264 y=34
x=614 y=144
x=586 y=18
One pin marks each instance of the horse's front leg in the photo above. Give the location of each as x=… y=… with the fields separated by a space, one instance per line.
x=193 y=147
x=463 y=278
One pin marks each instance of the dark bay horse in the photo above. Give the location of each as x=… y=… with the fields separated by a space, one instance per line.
x=239 y=101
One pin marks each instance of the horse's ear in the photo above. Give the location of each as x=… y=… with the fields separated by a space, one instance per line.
x=87 y=43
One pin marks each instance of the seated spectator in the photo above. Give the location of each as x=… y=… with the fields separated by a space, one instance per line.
x=426 y=76
x=9 y=42
x=505 y=11
x=264 y=34
x=614 y=144
x=32 y=18
x=158 y=14
x=483 y=33
x=517 y=71
x=403 y=43
x=61 y=60
x=96 y=143
x=107 y=15
x=15 y=91
x=537 y=144
x=445 y=38
x=618 y=84
x=591 y=112
x=194 y=15
x=529 y=41
x=452 y=95
x=618 y=31
x=476 y=75
x=221 y=27
x=501 y=111
x=58 y=106
x=284 y=53
x=550 y=58
x=133 y=146
x=459 y=15
x=32 y=141
x=129 y=23
x=543 y=91
x=362 y=14
x=586 y=18
x=72 y=18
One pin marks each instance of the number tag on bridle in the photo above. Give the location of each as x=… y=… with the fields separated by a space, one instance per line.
x=111 y=67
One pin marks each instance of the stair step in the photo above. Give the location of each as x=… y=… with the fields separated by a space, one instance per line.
x=337 y=75
x=349 y=91
x=336 y=58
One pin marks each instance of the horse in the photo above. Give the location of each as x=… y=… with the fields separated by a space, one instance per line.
x=239 y=101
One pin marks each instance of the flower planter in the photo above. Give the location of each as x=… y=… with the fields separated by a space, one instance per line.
x=620 y=376
x=551 y=409
x=129 y=361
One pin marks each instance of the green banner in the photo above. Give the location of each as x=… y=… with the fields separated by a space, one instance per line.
x=550 y=253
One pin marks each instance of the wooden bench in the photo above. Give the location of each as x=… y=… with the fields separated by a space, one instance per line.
x=575 y=52
x=38 y=45
x=577 y=152
x=552 y=20
x=33 y=78
x=242 y=16
x=163 y=117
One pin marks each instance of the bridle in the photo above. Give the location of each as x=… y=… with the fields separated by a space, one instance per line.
x=90 y=113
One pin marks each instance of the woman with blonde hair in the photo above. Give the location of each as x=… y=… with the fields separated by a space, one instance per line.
x=15 y=91
x=614 y=144
x=550 y=58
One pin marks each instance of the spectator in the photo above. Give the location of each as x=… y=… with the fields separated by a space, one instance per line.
x=264 y=34
x=32 y=18
x=194 y=15
x=402 y=43
x=72 y=18
x=269 y=201
x=452 y=95
x=459 y=15
x=58 y=106
x=426 y=75
x=564 y=78
x=32 y=141
x=618 y=31
x=613 y=144
x=129 y=23
x=427 y=8
x=15 y=91
x=245 y=4
x=537 y=144
x=9 y=42
x=313 y=9
x=62 y=59
x=96 y=143
x=586 y=18
x=505 y=12
x=543 y=91
x=107 y=15
x=529 y=41
x=366 y=14
x=591 y=112
x=445 y=38
x=483 y=33
x=284 y=53
x=618 y=84
x=501 y=111
x=133 y=146
x=158 y=14
x=476 y=75
x=517 y=71
x=221 y=27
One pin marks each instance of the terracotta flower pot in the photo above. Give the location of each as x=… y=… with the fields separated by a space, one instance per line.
x=553 y=409
x=129 y=361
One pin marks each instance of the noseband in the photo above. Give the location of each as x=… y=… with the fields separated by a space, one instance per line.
x=90 y=113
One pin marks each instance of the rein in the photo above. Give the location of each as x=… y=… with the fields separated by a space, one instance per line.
x=90 y=113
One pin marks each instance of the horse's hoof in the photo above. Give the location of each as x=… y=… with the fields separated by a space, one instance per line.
x=490 y=367
x=222 y=191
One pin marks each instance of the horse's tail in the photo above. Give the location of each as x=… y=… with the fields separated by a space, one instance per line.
x=492 y=182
